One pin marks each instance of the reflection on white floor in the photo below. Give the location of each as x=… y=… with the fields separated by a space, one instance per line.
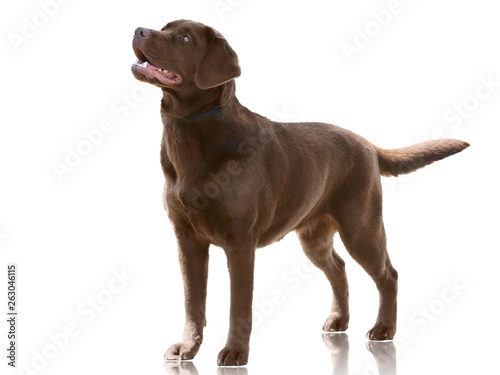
x=188 y=368
x=384 y=353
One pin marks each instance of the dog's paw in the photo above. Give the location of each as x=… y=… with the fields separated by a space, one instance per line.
x=335 y=323
x=182 y=351
x=233 y=356
x=381 y=331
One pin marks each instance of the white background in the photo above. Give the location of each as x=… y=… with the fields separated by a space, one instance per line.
x=69 y=237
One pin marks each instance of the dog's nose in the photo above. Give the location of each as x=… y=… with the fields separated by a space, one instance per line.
x=142 y=32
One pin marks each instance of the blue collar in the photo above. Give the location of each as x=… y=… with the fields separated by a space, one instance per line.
x=204 y=114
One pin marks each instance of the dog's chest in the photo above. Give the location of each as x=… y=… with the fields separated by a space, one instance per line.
x=199 y=193
x=188 y=205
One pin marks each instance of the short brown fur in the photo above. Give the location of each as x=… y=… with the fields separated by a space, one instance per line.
x=240 y=181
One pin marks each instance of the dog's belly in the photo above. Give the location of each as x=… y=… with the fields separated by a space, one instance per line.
x=276 y=232
x=291 y=216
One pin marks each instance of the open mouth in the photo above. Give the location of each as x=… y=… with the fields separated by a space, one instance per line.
x=146 y=68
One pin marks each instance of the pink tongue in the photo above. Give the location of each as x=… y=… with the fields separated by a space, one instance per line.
x=152 y=66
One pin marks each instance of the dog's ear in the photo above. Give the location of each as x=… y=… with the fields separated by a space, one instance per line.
x=218 y=66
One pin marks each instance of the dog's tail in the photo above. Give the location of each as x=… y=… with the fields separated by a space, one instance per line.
x=398 y=161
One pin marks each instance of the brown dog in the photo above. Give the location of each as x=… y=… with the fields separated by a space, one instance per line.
x=240 y=181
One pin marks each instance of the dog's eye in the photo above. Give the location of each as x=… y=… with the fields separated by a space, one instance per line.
x=186 y=39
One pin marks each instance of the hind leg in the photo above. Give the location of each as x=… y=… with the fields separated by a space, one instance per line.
x=361 y=228
x=376 y=262
x=317 y=242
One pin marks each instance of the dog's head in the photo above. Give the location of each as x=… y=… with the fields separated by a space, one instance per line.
x=184 y=54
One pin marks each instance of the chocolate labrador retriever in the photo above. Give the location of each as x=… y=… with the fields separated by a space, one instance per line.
x=240 y=181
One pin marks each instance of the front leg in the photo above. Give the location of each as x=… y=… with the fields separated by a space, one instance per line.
x=193 y=259
x=241 y=260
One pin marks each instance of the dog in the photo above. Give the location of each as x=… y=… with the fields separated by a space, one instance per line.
x=240 y=181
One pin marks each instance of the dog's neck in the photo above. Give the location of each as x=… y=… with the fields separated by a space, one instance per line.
x=185 y=141
x=190 y=103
